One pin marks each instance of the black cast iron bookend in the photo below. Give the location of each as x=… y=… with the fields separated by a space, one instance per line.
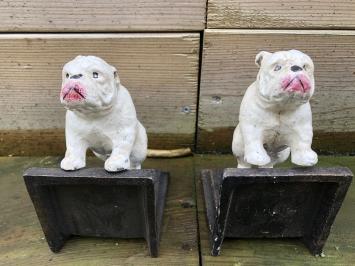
x=93 y=202
x=274 y=203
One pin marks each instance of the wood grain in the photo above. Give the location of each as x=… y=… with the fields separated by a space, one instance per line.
x=41 y=142
x=302 y=14
x=228 y=69
x=339 y=249
x=22 y=241
x=101 y=16
x=159 y=70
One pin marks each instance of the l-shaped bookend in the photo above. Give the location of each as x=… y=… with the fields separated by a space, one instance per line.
x=93 y=202
x=274 y=203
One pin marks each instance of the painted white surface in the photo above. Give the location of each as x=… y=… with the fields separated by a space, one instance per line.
x=100 y=116
x=275 y=116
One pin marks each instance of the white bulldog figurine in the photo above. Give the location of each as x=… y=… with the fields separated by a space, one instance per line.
x=275 y=115
x=101 y=116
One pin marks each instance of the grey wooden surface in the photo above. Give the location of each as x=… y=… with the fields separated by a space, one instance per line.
x=302 y=14
x=102 y=16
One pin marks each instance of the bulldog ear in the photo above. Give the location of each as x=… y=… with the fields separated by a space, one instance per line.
x=260 y=56
x=115 y=75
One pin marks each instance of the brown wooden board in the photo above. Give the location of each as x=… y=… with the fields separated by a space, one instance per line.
x=105 y=15
x=339 y=249
x=228 y=69
x=22 y=241
x=302 y=14
x=159 y=70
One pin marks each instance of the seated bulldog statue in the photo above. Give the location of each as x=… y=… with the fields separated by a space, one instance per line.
x=275 y=116
x=100 y=116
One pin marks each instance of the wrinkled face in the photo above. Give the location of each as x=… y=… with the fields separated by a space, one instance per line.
x=88 y=83
x=285 y=76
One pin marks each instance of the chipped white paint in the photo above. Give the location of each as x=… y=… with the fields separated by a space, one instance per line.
x=275 y=115
x=101 y=116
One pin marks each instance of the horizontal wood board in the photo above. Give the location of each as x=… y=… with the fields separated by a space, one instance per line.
x=102 y=16
x=302 y=14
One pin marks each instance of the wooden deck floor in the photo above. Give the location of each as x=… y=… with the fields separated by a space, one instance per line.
x=184 y=237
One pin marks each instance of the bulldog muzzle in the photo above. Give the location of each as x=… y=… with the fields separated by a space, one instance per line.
x=298 y=83
x=73 y=91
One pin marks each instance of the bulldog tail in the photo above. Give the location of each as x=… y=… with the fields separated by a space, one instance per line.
x=152 y=153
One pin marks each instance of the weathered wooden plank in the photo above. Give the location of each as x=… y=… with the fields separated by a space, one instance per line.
x=159 y=70
x=22 y=241
x=38 y=142
x=104 y=16
x=228 y=69
x=305 y=14
x=339 y=249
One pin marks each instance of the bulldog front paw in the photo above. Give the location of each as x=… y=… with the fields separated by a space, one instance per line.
x=305 y=158
x=117 y=164
x=259 y=158
x=71 y=164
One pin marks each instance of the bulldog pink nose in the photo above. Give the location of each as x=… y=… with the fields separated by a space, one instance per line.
x=73 y=91
x=298 y=83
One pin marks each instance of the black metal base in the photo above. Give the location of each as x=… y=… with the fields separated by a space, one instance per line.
x=274 y=203
x=93 y=202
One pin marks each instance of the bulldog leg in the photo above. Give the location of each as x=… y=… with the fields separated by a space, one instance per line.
x=300 y=143
x=140 y=149
x=119 y=159
x=300 y=139
x=301 y=152
x=237 y=143
x=283 y=155
x=75 y=154
x=238 y=148
x=254 y=152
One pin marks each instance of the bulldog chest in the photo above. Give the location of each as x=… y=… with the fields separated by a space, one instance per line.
x=275 y=134
x=99 y=141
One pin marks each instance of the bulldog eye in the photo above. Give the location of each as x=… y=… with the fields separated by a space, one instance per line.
x=95 y=75
x=277 y=68
x=67 y=75
x=304 y=67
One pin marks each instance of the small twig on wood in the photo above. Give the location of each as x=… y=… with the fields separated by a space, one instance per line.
x=169 y=153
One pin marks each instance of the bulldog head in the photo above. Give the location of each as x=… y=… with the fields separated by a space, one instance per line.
x=285 y=76
x=88 y=83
